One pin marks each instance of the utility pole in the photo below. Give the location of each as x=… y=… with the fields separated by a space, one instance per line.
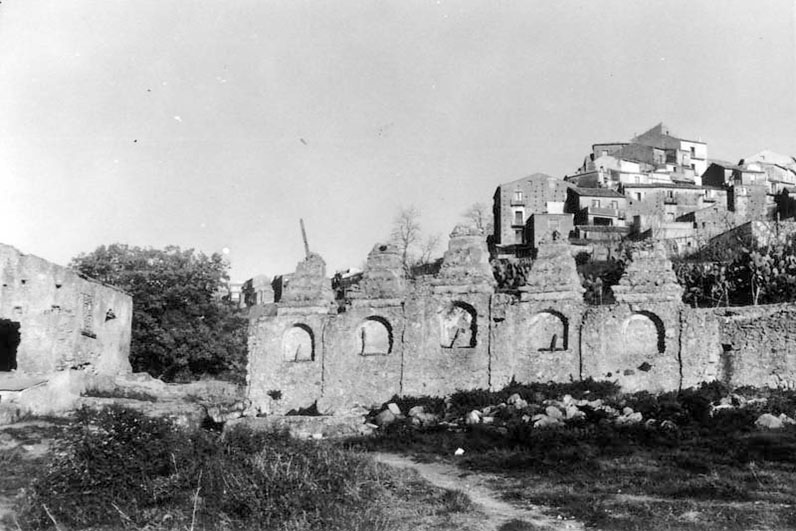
x=304 y=237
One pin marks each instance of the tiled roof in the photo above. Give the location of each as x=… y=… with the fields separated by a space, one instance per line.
x=683 y=186
x=597 y=192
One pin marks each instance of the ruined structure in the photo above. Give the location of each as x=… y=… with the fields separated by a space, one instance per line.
x=51 y=318
x=456 y=331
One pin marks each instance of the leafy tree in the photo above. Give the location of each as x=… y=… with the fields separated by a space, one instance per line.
x=480 y=215
x=181 y=328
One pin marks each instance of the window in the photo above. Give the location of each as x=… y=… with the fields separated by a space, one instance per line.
x=638 y=196
x=615 y=205
x=518 y=195
x=669 y=194
x=518 y=236
x=693 y=166
x=638 y=179
x=603 y=153
x=595 y=203
x=693 y=151
x=518 y=217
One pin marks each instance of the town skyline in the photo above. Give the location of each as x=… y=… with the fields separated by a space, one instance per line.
x=218 y=128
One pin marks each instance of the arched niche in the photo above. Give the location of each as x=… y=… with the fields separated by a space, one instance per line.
x=374 y=337
x=298 y=343
x=458 y=323
x=644 y=334
x=549 y=331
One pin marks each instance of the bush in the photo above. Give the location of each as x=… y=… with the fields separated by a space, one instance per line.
x=117 y=468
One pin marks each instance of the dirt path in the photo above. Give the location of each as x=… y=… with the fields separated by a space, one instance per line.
x=476 y=487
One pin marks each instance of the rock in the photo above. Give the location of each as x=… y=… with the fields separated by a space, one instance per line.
x=417 y=411
x=487 y=420
x=526 y=418
x=768 y=421
x=669 y=425
x=384 y=418
x=394 y=409
x=488 y=410
x=627 y=411
x=554 y=412
x=459 y=451
x=473 y=417
x=316 y=436
x=542 y=421
x=786 y=419
x=567 y=400
x=513 y=399
x=574 y=413
x=633 y=418
x=426 y=418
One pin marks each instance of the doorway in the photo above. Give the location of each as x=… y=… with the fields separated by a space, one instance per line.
x=9 y=341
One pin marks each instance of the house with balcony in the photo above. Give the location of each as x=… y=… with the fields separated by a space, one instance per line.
x=515 y=202
x=597 y=206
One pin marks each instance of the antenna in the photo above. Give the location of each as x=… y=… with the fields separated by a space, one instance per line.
x=304 y=237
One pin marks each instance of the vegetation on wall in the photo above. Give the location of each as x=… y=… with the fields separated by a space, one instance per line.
x=182 y=327
x=765 y=275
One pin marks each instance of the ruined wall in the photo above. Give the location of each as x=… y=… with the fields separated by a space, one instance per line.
x=433 y=337
x=758 y=345
x=63 y=319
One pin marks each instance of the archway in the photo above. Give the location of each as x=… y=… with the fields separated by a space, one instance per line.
x=549 y=331
x=644 y=333
x=458 y=326
x=298 y=343
x=374 y=336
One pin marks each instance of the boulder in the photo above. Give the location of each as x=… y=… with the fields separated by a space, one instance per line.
x=554 y=412
x=473 y=417
x=394 y=409
x=384 y=418
x=769 y=422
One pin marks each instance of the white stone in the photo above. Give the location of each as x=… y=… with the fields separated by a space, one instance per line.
x=768 y=421
x=554 y=412
x=393 y=407
x=473 y=417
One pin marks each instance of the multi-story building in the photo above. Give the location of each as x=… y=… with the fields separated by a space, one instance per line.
x=516 y=201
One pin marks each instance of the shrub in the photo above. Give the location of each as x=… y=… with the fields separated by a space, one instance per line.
x=116 y=468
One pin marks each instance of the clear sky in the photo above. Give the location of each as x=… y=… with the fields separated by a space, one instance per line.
x=218 y=124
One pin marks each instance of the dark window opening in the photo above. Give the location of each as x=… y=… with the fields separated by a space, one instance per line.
x=9 y=341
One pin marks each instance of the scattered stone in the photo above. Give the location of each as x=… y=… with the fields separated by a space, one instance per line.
x=627 y=411
x=394 y=409
x=473 y=417
x=317 y=436
x=574 y=413
x=513 y=399
x=459 y=451
x=526 y=418
x=487 y=420
x=542 y=421
x=633 y=418
x=669 y=425
x=768 y=421
x=384 y=418
x=786 y=419
x=417 y=411
x=554 y=412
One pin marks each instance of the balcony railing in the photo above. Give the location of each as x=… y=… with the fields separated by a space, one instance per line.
x=603 y=211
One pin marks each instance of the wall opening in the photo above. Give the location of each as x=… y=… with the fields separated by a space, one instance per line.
x=458 y=326
x=375 y=337
x=9 y=342
x=298 y=343
x=644 y=333
x=549 y=331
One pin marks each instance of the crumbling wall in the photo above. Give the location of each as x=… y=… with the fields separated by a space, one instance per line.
x=64 y=320
x=433 y=337
x=759 y=345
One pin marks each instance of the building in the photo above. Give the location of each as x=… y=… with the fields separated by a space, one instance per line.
x=52 y=318
x=516 y=201
x=597 y=206
x=548 y=227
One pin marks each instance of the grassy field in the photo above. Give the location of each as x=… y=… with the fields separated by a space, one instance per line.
x=687 y=465
x=116 y=469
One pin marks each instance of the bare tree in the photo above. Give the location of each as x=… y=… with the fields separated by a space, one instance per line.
x=480 y=216
x=406 y=233
x=428 y=248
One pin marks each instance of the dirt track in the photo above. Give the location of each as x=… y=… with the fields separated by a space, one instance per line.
x=497 y=511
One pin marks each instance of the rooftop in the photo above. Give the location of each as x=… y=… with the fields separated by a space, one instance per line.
x=597 y=192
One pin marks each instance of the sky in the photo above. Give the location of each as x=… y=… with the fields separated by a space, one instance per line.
x=217 y=125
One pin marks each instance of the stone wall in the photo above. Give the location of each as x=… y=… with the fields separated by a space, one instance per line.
x=62 y=320
x=433 y=337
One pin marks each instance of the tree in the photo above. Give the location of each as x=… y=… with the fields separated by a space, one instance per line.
x=408 y=237
x=181 y=327
x=480 y=216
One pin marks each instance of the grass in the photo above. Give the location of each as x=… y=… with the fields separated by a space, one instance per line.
x=707 y=469
x=117 y=469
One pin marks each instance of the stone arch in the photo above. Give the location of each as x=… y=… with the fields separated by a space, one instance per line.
x=644 y=332
x=458 y=325
x=549 y=331
x=298 y=343
x=374 y=337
